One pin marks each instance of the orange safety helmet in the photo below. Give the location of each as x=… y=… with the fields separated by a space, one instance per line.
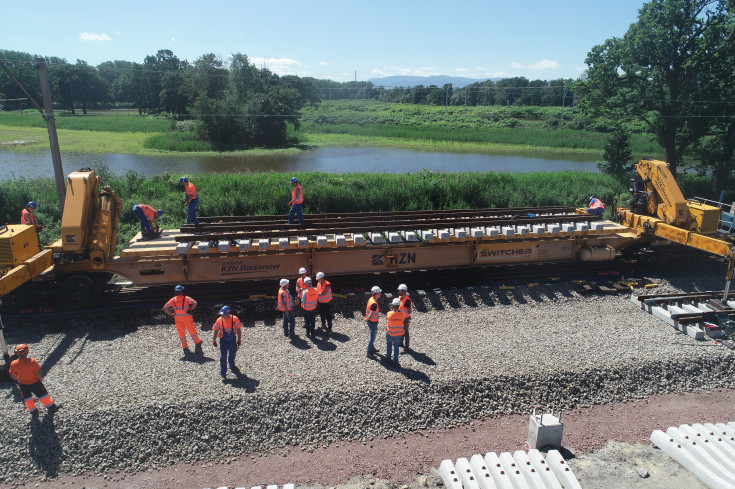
x=21 y=349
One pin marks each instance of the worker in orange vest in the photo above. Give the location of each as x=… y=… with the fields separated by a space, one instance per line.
x=372 y=314
x=27 y=372
x=286 y=306
x=405 y=308
x=27 y=217
x=300 y=286
x=324 y=289
x=394 y=330
x=228 y=329
x=309 y=299
x=192 y=201
x=296 y=202
x=180 y=307
x=596 y=207
x=147 y=216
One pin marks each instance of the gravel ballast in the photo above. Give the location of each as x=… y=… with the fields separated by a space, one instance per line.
x=132 y=402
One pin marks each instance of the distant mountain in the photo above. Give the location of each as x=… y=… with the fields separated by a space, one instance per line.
x=412 y=81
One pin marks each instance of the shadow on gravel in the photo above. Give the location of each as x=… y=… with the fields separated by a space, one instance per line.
x=409 y=373
x=242 y=381
x=44 y=445
x=420 y=357
x=435 y=301
x=199 y=358
x=299 y=342
x=322 y=342
x=341 y=337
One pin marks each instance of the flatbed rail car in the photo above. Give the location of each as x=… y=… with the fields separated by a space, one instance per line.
x=265 y=247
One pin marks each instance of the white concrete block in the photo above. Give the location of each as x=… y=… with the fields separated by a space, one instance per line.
x=567 y=227
x=358 y=239
x=264 y=243
x=562 y=471
x=527 y=469
x=290 y=486
x=203 y=247
x=223 y=246
x=583 y=227
x=507 y=231
x=543 y=469
x=522 y=230
x=321 y=240
x=271 y=486
x=464 y=471
x=543 y=430
x=411 y=237
x=597 y=226
x=340 y=240
x=394 y=238
x=492 y=231
x=497 y=472
x=244 y=244
x=303 y=241
x=283 y=242
x=692 y=308
x=183 y=248
x=443 y=234
x=460 y=233
x=479 y=467
x=427 y=235
x=450 y=477
x=377 y=238
x=476 y=232
x=538 y=229
x=553 y=228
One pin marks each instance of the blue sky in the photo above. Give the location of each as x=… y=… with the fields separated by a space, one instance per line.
x=334 y=39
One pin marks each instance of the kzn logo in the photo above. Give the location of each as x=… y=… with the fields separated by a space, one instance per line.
x=394 y=260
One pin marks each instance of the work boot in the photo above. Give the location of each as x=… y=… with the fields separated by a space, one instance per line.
x=198 y=348
x=34 y=413
x=54 y=407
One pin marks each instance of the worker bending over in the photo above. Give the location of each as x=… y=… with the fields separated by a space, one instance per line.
x=180 y=307
x=372 y=314
x=27 y=217
x=296 y=202
x=394 y=330
x=27 y=372
x=192 y=201
x=148 y=222
x=596 y=207
x=324 y=289
x=228 y=329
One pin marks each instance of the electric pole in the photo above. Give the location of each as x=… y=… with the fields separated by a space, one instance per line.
x=53 y=139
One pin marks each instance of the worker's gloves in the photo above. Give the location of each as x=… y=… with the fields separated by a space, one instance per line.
x=239 y=343
x=214 y=342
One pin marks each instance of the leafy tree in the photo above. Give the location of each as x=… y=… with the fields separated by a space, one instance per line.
x=616 y=155
x=652 y=73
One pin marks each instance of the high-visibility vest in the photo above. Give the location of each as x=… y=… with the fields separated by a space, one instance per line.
x=148 y=211
x=25 y=369
x=285 y=302
x=309 y=299
x=191 y=191
x=27 y=217
x=325 y=291
x=300 y=283
x=181 y=309
x=405 y=310
x=372 y=316
x=297 y=196
x=395 y=323
x=227 y=327
x=596 y=204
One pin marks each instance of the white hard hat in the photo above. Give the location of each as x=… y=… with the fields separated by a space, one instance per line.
x=319 y=275
x=307 y=280
x=396 y=302
x=403 y=287
x=284 y=282
x=302 y=271
x=376 y=290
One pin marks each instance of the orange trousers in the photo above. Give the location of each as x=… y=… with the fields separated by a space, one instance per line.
x=184 y=324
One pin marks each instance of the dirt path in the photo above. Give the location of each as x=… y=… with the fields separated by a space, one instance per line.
x=399 y=461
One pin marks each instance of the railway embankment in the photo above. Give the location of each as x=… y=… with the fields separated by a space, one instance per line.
x=133 y=402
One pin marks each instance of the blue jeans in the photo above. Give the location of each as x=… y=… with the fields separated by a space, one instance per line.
x=310 y=320
x=595 y=212
x=145 y=226
x=373 y=332
x=191 y=212
x=392 y=342
x=289 y=321
x=296 y=209
x=227 y=348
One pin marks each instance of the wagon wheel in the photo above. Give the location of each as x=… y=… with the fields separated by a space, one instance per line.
x=79 y=289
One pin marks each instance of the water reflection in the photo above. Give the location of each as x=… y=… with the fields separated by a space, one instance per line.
x=332 y=160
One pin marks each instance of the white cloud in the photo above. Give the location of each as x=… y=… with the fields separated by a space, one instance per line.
x=398 y=70
x=544 y=64
x=173 y=39
x=515 y=65
x=117 y=33
x=90 y=36
x=323 y=63
x=279 y=66
x=462 y=71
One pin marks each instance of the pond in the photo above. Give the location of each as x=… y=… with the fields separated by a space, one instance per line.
x=327 y=159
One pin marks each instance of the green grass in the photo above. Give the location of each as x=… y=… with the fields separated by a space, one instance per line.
x=113 y=121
